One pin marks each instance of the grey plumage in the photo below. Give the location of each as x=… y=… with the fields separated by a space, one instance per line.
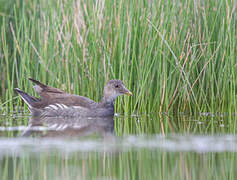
x=54 y=102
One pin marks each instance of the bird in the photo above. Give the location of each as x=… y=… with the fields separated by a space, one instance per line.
x=54 y=102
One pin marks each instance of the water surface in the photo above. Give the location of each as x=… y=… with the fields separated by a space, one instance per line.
x=148 y=147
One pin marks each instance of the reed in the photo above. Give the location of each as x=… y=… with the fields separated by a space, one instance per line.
x=175 y=56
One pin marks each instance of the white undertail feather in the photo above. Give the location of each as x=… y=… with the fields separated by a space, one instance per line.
x=37 y=89
x=27 y=103
x=24 y=99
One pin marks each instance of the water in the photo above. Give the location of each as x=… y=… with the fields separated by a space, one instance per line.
x=145 y=147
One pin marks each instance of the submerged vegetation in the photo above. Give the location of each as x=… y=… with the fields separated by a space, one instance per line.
x=175 y=56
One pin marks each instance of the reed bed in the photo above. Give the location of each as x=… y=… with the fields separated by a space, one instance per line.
x=175 y=56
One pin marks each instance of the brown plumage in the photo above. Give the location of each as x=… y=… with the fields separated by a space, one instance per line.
x=55 y=102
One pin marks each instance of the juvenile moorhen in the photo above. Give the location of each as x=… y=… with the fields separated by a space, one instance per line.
x=54 y=102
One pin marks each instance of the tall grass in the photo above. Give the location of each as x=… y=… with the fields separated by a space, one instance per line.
x=175 y=56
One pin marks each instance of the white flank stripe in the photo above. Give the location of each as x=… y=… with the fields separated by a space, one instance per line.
x=77 y=107
x=53 y=106
x=53 y=126
x=64 y=127
x=59 y=127
x=59 y=105
x=64 y=106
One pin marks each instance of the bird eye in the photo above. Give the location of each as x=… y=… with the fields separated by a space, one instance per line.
x=116 y=85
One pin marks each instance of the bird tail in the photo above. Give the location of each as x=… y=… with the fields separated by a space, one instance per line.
x=28 y=99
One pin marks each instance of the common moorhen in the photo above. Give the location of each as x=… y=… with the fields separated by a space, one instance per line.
x=54 y=102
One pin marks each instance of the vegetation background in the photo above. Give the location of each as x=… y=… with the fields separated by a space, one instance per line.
x=175 y=56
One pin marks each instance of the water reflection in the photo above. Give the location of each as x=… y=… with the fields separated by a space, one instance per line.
x=146 y=147
x=69 y=127
x=171 y=143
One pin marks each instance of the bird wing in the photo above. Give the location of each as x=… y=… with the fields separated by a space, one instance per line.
x=45 y=91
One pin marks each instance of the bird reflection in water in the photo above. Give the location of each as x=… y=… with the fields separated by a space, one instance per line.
x=69 y=127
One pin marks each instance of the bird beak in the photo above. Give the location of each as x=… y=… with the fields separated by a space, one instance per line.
x=129 y=93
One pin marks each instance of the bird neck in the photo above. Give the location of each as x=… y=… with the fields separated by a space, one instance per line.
x=107 y=102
